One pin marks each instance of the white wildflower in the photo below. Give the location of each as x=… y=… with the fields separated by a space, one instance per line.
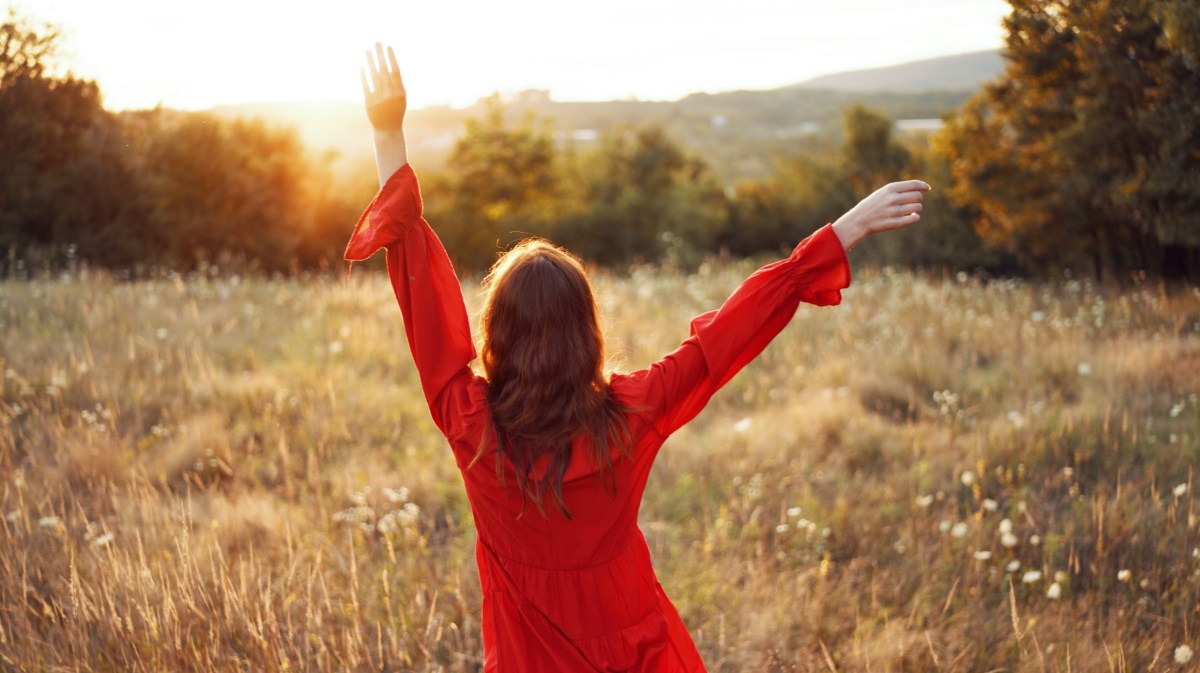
x=944 y=526
x=793 y=512
x=959 y=530
x=1084 y=369
x=1054 y=591
x=335 y=347
x=396 y=495
x=1017 y=420
x=1035 y=540
x=924 y=500
x=1177 y=409
x=991 y=505
x=102 y=540
x=1013 y=566
x=409 y=513
x=1183 y=654
x=1037 y=316
x=12 y=516
x=1181 y=490
x=1031 y=576
x=967 y=478
x=782 y=528
x=1008 y=540
x=49 y=522
x=161 y=333
x=742 y=425
x=1123 y=575
x=982 y=555
x=1006 y=526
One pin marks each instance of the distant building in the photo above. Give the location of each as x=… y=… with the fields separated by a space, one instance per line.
x=919 y=125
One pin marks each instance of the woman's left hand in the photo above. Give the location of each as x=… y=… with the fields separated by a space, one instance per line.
x=383 y=90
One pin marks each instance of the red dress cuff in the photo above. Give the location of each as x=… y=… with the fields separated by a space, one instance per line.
x=396 y=206
x=825 y=270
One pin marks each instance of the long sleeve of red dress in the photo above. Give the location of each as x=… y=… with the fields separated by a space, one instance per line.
x=577 y=594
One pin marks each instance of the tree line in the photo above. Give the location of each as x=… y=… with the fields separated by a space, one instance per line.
x=1082 y=157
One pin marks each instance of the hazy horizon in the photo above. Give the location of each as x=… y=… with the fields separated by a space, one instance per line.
x=238 y=52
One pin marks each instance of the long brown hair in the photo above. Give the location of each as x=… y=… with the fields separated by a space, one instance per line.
x=543 y=355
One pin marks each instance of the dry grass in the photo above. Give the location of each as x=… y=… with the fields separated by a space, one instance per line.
x=215 y=474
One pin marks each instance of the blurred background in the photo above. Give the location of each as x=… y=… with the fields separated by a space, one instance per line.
x=1059 y=136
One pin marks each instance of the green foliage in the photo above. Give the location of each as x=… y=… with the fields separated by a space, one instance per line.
x=500 y=187
x=150 y=188
x=640 y=197
x=1083 y=155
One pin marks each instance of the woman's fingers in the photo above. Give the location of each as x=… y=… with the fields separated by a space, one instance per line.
x=362 y=75
x=399 y=81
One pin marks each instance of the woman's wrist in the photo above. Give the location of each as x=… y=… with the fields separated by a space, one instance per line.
x=391 y=152
x=850 y=231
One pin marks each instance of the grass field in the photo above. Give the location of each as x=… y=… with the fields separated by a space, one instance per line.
x=227 y=474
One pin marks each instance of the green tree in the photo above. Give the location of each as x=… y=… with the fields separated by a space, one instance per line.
x=1083 y=154
x=639 y=197
x=500 y=186
x=48 y=126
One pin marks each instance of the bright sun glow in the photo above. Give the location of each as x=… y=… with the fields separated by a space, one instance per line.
x=196 y=55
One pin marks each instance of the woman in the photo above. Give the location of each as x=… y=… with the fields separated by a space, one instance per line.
x=555 y=455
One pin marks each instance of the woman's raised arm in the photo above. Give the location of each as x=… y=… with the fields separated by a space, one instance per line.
x=677 y=387
x=426 y=287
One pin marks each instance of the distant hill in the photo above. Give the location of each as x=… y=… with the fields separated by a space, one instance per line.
x=960 y=71
x=739 y=132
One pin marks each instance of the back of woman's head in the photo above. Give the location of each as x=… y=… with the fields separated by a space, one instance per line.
x=543 y=355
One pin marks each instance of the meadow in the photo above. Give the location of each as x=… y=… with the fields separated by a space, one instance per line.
x=224 y=473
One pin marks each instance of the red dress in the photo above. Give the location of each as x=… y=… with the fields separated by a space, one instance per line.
x=576 y=595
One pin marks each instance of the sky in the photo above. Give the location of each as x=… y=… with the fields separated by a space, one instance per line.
x=194 y=55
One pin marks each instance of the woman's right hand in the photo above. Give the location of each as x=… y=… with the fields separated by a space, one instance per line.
x=383 y=90
x=892 y=206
